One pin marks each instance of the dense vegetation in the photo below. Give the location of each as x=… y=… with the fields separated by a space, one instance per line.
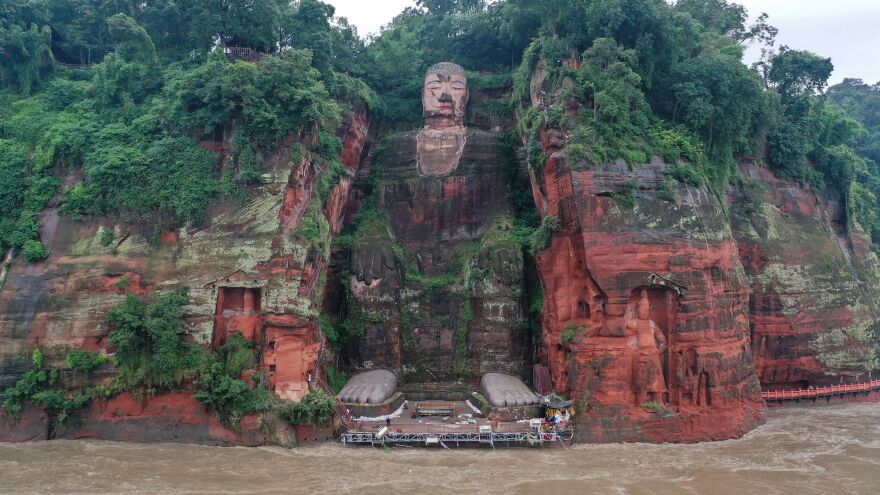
x=113 y=98
x=152 y=356
x=104 y=105
x=657 y=79
x=862 y=101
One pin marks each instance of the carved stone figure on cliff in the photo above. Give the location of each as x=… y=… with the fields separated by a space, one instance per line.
x=434 y=309
x=444 y=100
x=650 y=344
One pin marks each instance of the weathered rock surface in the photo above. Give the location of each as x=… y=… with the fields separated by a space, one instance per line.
x=679 y=369
x=814 y=291
x=661 y=310
x=244 y=270
x=594 y=272
x=440 y=287
x=174 y=417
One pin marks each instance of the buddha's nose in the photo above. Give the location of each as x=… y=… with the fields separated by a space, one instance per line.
x=445 y=97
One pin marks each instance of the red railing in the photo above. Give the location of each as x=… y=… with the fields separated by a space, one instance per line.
x=806 y=393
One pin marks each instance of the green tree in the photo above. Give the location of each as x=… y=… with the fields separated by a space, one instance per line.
x=716 y=96
x=130 y=73
x=794 y=73
x=239 y=22
x=34 y=251
x=27 y=56
x=149 y=350
x=719 y=16
x=308 y=26
x=611 y=83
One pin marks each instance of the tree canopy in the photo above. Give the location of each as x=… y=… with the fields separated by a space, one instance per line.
x=120 y=93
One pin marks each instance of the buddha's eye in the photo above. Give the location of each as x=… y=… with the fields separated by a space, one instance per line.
x=458 y=85
x=433 y=86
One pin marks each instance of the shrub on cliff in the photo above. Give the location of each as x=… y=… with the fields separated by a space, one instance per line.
x=34 y=251
x=32 y=381
x=654 y=406
x=221 y=388
x=316 y=408
x=83 y=361
x=540 y=238
x=336 y=380
x=36 y=387
x=149 y=349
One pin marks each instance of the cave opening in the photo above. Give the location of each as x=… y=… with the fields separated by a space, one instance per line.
x=238 y=311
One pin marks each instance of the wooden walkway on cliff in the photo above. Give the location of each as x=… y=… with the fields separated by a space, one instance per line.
x=821 y=392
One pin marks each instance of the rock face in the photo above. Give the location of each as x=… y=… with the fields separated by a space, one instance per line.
x=662 y=309
x=436 y=282
x=245 y=271
x=645 y=320
x=814 y=292
x=695 y=369
x=439 y=285
x=174 y=417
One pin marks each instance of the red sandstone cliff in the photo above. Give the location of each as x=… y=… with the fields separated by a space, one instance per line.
x=681 y=369
x=244 y=270
x=814 y=289
x=775 y=291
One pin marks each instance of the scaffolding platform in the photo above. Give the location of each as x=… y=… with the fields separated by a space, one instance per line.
x=529 y=437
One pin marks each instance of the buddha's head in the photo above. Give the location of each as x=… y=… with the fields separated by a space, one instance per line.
x=445 y=96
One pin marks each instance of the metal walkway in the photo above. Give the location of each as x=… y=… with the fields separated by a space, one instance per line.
x=456 y=438
x=821 y=392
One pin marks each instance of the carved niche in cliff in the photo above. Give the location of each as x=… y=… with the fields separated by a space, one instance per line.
x=650 y=341
x=238 y=311
x=663 y=370
x=444 y=99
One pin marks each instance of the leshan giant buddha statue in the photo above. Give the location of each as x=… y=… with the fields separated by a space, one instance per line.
x=437 y=285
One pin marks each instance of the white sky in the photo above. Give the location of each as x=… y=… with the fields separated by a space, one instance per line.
x=848 y=31
x=369 y=15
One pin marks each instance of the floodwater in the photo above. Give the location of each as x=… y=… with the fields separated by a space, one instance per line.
x=821 y=450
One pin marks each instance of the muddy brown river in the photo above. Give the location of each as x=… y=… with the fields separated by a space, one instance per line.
x=822 y=450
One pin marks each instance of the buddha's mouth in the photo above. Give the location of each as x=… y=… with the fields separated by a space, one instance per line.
x=445 y=109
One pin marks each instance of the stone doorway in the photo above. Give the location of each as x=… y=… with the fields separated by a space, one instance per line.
x=238 y=311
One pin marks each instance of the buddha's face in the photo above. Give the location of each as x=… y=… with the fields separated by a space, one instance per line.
x=444 y=99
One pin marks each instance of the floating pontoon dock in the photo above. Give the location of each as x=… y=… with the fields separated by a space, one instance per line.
x=449 y=438
x=532 y=436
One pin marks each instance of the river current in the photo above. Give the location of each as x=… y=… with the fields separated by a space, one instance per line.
x=821 y=450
